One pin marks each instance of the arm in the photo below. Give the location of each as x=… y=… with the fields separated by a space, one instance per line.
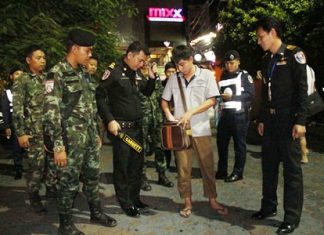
x=167 y=111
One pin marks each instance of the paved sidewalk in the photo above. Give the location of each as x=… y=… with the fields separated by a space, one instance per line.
x=242 y=199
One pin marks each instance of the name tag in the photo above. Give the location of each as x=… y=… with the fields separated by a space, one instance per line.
x=124 y=78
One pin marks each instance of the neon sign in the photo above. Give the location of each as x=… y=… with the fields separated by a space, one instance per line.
x=165 y=14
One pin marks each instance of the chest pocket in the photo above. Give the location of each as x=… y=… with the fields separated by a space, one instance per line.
x=126 y=86
x=72 y=91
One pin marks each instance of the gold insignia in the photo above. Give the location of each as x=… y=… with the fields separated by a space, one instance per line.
x=291 y=47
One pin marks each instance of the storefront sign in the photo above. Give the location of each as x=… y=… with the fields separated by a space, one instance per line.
x=165 y=14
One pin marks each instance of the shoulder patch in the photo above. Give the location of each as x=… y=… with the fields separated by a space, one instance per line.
x=112 y=65
x=105 y=75
x=291 y=47
x=49 y=86
x=250 y=79
x=300 y=57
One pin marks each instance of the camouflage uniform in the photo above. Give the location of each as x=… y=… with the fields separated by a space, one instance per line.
x=78 y=128
x=28 y=99
x=152 y=123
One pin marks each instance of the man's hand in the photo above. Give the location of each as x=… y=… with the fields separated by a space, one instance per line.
x=152 y=70
x=8 y=133
x=60 y=158
x=298 y=131
x=226 y=96
x=260 y=128
x=114 y=127
x=24 y=141
x=170 y=118
x=185 y=119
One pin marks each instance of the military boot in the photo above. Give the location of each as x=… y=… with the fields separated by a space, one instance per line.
x=36 y=203
x=145 y=184
x=67 y=226
x=164 y=181
x=51 y=192
x=98 y=217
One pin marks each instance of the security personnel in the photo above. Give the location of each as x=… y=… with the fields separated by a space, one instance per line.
x=6 y=104
x=70 y=121
x=28 y=100
x=122 y=113
x=282 y=123
x=237 y=92
x=152 y=124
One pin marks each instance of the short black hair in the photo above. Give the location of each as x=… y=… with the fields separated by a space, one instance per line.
x=169 y=65
x=137 y=47
x=14 y=69
x=181 y=52
x=31 y=49
x=267 y=23
x=94 y=58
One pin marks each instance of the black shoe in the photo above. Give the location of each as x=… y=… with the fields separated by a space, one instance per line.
x=145 y=185
x=286 y=228
x=19 y=173
x=221 y=175
x=132 y=211
x=261 y=215
x=67 y=226
x=141 y=205
x=233 y=177
x=98 y=217
x=164 y=181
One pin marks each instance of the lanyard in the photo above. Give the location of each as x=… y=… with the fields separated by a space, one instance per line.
x=270 y=75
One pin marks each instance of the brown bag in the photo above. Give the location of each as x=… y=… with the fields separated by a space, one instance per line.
x=175 y=137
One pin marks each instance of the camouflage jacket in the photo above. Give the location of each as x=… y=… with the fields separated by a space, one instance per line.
x=28 y=100
x=69 y=103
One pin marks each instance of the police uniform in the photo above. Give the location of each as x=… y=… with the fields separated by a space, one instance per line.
x=70 y=120
x=123 y=87
x=234 y=119
x=284 y=98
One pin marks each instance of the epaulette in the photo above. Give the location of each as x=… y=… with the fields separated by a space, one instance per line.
x=291 y=47
x=112 y=65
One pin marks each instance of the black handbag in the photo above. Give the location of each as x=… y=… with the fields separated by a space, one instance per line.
x=315 y=104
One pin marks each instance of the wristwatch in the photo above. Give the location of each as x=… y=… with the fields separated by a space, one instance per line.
x=58 y=149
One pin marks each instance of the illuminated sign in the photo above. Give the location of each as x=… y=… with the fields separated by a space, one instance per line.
x=165 y=14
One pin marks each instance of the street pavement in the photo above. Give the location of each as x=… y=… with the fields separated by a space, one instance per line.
x=242 y=199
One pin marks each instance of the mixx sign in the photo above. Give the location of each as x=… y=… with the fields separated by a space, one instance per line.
x=165 y=14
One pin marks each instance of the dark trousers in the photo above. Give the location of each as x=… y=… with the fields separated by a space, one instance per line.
x=278 y=146
x=128 y=166
x=232 y=125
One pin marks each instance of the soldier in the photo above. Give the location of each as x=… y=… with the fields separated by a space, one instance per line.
x=237 y=92
x=70 y=120
x=28 y=98
x=123 y=113
x=152 y=124
x=282 y=123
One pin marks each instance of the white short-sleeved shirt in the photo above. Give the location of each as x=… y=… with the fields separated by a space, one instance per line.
x=202 y=87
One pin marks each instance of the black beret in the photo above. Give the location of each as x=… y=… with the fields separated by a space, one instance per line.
x=231 y=55
x=82 y=37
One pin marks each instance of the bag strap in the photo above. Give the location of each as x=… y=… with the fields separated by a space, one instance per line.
x=183 y=98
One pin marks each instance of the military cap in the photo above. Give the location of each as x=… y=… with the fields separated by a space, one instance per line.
x=82 y=37
x=231 y=55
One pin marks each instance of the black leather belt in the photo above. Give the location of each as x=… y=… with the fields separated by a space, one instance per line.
x=128 y=124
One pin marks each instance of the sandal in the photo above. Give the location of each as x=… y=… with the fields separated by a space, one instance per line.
x=185 y=212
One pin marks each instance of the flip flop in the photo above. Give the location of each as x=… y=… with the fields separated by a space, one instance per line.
x=186 y=212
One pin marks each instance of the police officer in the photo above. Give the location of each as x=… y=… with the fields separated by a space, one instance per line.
x=152 y=124
x=237 y=92
x=28 y=100
x=70 y=120
x=123 y=113
x=6 y=104
x=282 y=123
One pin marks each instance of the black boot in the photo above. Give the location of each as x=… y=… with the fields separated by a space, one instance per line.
x=51 y=192
x=97 y=216
x=36 y=203
x=67 y=226
x=145 y=185
x=19 y=172
x=164 y=181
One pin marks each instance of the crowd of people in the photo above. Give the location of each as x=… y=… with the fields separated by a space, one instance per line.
x=56 y=121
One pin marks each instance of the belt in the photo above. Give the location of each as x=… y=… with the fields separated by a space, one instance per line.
x=275 y=111
x=128 y=124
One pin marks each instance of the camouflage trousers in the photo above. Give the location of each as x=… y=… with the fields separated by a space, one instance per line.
x=152 y=143
x=36 y=170
x=82 y=164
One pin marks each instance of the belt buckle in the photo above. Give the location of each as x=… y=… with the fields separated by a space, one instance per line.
x=272 y=111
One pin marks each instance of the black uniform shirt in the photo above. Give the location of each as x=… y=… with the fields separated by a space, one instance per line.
x=118 y=94
x=286 y=73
